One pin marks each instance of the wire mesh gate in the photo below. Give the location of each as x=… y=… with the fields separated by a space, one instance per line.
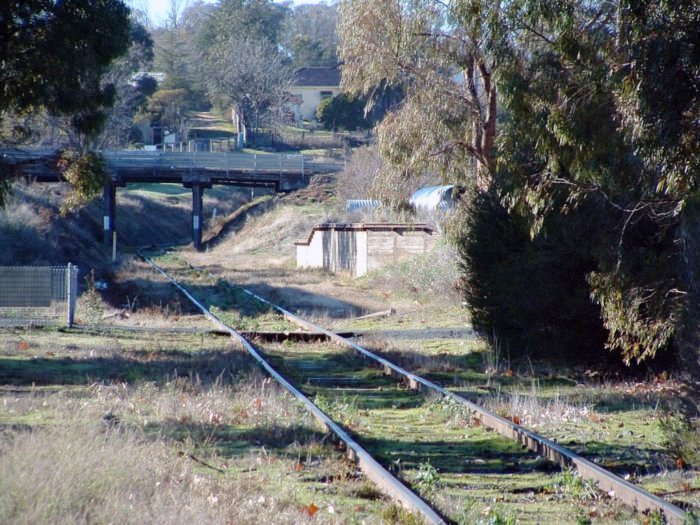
x=38 y=295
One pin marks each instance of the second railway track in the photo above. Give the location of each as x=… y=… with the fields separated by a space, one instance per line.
x=441 y=445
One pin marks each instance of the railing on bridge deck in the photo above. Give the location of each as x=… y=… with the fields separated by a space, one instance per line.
x=218 y=162
x=224 y=162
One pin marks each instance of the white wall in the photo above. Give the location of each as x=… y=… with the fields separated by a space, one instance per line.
x=311 y=97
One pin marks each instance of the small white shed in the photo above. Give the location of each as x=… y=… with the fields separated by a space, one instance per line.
x=356 y=248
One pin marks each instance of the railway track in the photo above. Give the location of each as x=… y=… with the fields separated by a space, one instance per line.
x=404 y=430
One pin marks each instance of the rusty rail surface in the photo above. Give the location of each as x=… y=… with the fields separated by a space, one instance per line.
x=607 y=482
x=386 y=482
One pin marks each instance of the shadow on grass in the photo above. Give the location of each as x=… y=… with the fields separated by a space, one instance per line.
x=339 y=376
x=146 y=294
x=142 y=293
x=231 y=441
x=635 y=460
x=307 y=303
x=156 y=366
x=487 y=455
x=465 y=374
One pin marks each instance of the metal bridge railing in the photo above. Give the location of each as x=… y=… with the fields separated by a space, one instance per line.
x=223 y=162
x=38 y=295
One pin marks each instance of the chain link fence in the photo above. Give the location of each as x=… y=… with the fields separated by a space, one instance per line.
x=38 y=295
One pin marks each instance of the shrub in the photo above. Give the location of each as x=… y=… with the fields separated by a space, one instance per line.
x=530 y=292
x=342 y=111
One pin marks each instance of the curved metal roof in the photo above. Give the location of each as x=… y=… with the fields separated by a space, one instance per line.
x=434 y=198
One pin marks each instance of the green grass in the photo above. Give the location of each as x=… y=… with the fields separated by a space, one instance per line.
x=168 y=189
x=415 y=436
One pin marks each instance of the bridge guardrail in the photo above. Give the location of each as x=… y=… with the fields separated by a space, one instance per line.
x=159 y=161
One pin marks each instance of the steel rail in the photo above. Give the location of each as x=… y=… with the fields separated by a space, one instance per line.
x=389 y=484
x=608 y=482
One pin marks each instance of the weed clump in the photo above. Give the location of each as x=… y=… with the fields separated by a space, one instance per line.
x=395 y=515
x=682 y=440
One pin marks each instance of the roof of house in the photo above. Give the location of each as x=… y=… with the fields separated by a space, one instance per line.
x=316 y=76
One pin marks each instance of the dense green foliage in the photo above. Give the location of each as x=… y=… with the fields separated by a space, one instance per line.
x=54 y=53
x=86 y=173
x=342 y=111
x=54 y=56
x=587 y=126
x=529 y=295
x=309 y=35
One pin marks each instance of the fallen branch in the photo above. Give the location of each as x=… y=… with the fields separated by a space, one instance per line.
x=123 y=314
x=383 y=313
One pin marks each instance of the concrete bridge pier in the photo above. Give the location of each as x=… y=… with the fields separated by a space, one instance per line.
x=197 y=211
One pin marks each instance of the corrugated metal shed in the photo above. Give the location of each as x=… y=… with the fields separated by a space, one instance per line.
x=435 y=197
x=361 y=204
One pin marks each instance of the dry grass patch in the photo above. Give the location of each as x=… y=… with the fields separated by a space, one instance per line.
x=139 y=428
x=89 y=473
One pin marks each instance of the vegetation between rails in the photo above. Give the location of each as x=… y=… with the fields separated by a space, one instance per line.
x=437 y=446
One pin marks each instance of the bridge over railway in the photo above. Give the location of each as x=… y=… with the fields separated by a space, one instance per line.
x=195 y=170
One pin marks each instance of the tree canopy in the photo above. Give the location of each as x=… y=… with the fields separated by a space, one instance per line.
x=54 y=55
x=310 y=36
x=243 y=64
x=576 y=118
x=342 y=111
x=433 y=51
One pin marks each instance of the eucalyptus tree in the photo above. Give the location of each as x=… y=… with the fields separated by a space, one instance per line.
x=436 y=52
x=590 y=162
x=602 y=101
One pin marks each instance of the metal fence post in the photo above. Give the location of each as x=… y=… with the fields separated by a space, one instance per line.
x=71 y=292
